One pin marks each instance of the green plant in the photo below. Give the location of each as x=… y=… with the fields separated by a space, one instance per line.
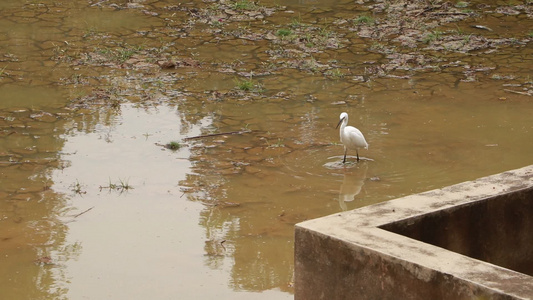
x=248 y=85
x=124 y=185
x=174 y=145
x=308 y=40
x=459 y=30
x=278 y=144
x=334 y=73
x=284 y=32
x=213 y=9
x=432 y=36
x=461 y=4
x=244 y=5
x=244 y=84
x=466 y=39
x=121 y=54
x=124 y=54
x=310 y=64
x=121 y=186
x=296 y=22
x=216 y=23
x=325 y=32
x=77 y=188
x=364 y=19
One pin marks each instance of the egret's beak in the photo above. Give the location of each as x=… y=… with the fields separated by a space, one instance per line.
x=340 y=121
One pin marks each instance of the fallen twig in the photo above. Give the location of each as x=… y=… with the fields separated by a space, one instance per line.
x=481 y=27
x=518 y=92
x=449 y=13
x=83 y=212
x=216 y=134
x=425 y=10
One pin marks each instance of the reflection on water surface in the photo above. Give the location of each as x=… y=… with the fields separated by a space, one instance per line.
x=93 y=205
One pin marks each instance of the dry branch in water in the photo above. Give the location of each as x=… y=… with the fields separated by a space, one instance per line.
x=518 y=92
x=216 y=134
x=83 y=212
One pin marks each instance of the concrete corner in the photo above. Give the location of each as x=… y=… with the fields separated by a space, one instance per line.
x=473 y=240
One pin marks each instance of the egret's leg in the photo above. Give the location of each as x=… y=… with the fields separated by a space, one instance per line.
x=357 y=152
x=344 y=160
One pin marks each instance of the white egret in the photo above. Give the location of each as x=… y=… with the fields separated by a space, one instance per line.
x=351 y=137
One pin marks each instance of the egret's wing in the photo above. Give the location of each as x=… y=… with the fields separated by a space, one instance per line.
x=355 y=137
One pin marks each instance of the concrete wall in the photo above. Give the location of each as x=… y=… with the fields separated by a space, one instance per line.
x=397 y=249
x=498 y=230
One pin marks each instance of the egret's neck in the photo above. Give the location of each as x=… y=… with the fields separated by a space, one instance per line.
x=343 y=124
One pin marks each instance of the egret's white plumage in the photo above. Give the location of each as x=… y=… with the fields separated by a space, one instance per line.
x=351 y=137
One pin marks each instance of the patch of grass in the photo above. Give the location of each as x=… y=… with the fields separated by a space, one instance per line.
x=124 y=54
x=466 y=39
x=77 y=188
x=174 y=145
x=284 y=32
x=461 y=4
x=120 y=55
x=459 y=30
x=334 y=73
x=213 y=9
x=217 y=23
x=364 y=19
x=244 y=84
x=308 y=40
x=105 y=51
x=244 y=5
x=248 y=85
x=122 y=186
x=277 y=144
x=310 y=64
x=432 y=36
x=296 y=22
x=325 y=35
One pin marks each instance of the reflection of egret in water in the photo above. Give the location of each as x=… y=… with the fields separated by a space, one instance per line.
x=353 y=182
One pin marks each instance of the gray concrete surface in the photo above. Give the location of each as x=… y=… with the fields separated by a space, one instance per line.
x=473 y=240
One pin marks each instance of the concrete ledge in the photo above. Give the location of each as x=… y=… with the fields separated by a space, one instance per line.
x=459 y=242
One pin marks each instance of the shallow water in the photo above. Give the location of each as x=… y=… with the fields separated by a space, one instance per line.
x=92 y=204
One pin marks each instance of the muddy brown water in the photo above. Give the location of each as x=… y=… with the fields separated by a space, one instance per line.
x=94 y=206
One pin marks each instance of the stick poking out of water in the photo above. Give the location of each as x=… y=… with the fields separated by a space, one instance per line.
x=518 y=92
x=216 y=134
x=83 y=212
